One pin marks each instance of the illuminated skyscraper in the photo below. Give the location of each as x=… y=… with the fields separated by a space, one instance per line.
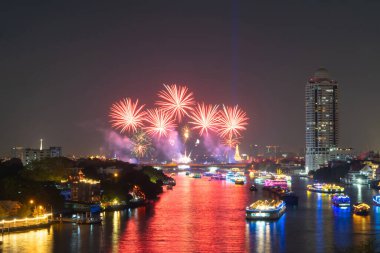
x=321 y=101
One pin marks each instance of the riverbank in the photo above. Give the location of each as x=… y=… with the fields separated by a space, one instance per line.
x=15 y=225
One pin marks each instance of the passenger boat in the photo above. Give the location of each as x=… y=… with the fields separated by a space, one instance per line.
x=325 y=188
x=253 y=188
x=265 y=210
x=361 y=209
x=239 y=181
x=341 y=200
x=376 y=200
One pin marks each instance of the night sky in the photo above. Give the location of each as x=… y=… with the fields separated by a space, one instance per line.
x=63 y=64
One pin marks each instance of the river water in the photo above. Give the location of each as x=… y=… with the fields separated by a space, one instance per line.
x=209 y=216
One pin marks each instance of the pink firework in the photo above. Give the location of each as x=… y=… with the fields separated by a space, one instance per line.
x=232 y=120
x=176 y=100
x=126 y=115
x=159 y=122
x=205 y=118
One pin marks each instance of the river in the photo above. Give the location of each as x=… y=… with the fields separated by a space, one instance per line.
x=209 y=216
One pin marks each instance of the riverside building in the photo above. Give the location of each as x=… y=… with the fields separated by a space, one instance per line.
x=321 y=104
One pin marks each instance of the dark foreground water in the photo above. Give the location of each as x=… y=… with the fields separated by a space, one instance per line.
x=209 y=216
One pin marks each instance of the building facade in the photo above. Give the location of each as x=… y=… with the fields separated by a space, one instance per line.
x=321 y=104
x=27 y=155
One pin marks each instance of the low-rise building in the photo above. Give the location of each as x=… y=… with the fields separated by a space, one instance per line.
x=27 y=155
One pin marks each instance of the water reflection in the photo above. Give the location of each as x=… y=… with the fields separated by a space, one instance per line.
x=209 y=216
x=32 y=241
x=267 y=236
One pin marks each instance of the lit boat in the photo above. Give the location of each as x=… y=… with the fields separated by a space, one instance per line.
x=265 y=210
x=325 y=188
x=218 y=177
x=341 y=200
x=361 y=209
x=376 y=200
x=281 y=183
x=239 y=181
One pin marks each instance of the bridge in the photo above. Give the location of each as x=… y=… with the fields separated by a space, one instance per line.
x=173 y=166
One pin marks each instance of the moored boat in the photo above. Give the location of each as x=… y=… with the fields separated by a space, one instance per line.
x=361 y=209
x=341 y=200
x=265 y=210
x=325 y=188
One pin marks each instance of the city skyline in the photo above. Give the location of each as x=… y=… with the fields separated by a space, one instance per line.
x=60 y=77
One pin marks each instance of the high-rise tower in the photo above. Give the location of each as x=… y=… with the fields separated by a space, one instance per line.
x=321 y=101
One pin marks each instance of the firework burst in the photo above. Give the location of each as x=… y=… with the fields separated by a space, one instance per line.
x=142 y=144
x=126 y=115
x=176 y=100
x=205 y=118
x=232 y=120
x=160 y=123
x=230 y=142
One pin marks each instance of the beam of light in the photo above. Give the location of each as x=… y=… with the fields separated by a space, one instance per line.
x=232 y=120
x=159 y=123
x=178 y=101
x=127 y=116
x=205 y=118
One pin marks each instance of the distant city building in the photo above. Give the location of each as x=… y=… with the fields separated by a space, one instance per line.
x=321 y=102
x=27 y=155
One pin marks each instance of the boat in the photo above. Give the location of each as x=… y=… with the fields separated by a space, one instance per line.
x=196 y=175
x=239 y=181
x=208 y=174
x=290 y=198
x=86 y=218
x=265 y=210
x=89 y=220
x=218 y=177
x=376 y=200
x=253 y=188
x=169 y=187
x=268 y=183
x=341 y=200
x=325 y=188
x=361 y=209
